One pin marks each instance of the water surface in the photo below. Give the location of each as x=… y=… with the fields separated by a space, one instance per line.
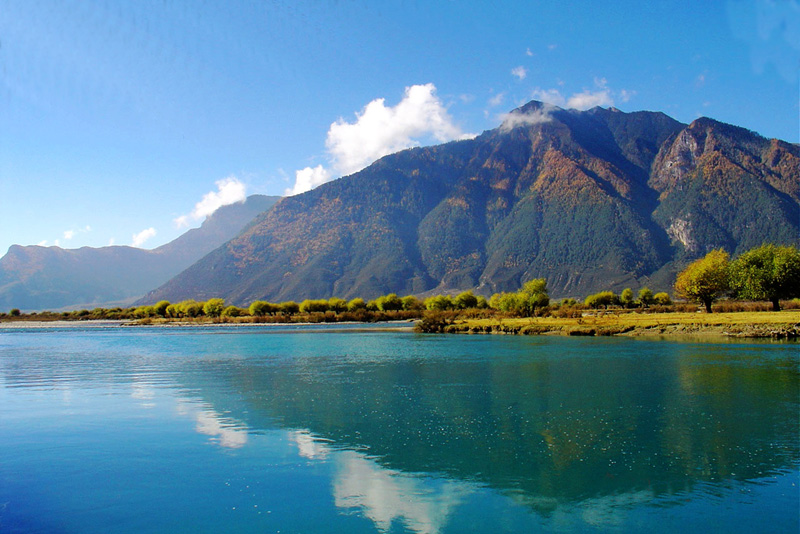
x=276 y=429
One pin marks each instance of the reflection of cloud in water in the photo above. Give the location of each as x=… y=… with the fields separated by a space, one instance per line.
x=211 y=424
x=384 y=495
x=144 y=392
x=308 y=446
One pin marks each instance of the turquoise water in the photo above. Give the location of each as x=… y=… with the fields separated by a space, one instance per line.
x=319 y=430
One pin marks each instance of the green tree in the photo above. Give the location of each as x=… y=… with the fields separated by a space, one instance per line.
x=214 y=307
x=768 y=272
x=626 y=297
x=160 y=307
x=603 y=298
x=465 y=300
x=14 y=312
x=410 y=302
x=314 y=305
x=356 y=304
x=260 y=308
x=289 y=307
x=390 y=302
x=439 y=302
x=337 y=305
x=662 y=299
x=645 y=297
x=232 y=311
x=706 y=279
x=191 y=308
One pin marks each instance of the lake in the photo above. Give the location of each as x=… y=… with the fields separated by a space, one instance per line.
x=320 y=429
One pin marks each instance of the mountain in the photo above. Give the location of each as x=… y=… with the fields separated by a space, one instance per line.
x=590 y=200
x=38 y=278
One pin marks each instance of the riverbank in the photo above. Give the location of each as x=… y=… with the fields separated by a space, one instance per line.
x=780 y=325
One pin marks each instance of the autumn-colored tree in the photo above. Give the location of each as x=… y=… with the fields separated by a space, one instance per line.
x=646 y=297
x=214 y=307
x=768 y=272
x=662 y=299
x=626 y=297
x=706 y=279
x=465 y=300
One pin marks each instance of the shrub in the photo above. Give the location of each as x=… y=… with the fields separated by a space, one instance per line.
x=439 y=302
x=14 y=312
x=662 y=299
x=604 y=298
x=465 y=300
x=214 y=307
x=356 y=304
x=232 y=311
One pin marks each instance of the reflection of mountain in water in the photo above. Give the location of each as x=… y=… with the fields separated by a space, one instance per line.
x=546 y=430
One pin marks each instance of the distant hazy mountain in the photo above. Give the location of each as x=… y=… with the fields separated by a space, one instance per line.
x=590 y=200
x=52 y=278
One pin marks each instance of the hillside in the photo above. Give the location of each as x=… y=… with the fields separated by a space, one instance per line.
x=38 y=278
x=590 y=200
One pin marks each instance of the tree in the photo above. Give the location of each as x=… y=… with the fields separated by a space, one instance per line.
x=14 y=312
x=337 y=305
x=390 y=302
x=356 y=304
x=259 y=308
x=439 y=302
x=604 y=298
x=768 y=272
x=626 y=297
x=214 y=307
x=232 y=311
x=160 y=307
x=706 y=279
x=465 y=300
x=533 y=295
x=646 y=297
x=410 y=302
x=289 y=307
x=191 y=308
x=662 y=299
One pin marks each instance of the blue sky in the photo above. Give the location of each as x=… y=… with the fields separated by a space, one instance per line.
x=128 y=122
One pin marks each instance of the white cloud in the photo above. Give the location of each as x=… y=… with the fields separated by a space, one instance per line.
x=111 y=242
x=229 y=191
x=602 y=96
x=520 y=72
x=69 y=234
x=528 y=52
x=513 y=120
x=626 y=95
x=550 y=96
x=309 y=178
x=42 y=243
x=140 y=238
x=380 y=130
x=497 y=99
x=589 y=99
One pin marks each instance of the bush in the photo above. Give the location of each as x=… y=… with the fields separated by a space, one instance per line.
x=604 y=298
x=465 y=300
x=356 y=304
x=289 y=307
x=213 y=307
x=337 y=305
x=14 y=312
x=439 y=302
x=260 y=308
x=191 y=308
x=160 y=308
x=232 y=311
x=390 y=302
x=410 y=303
x=662 y=299
x=312 y=306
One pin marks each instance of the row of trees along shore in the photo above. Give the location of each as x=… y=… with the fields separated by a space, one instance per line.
x=767 y=273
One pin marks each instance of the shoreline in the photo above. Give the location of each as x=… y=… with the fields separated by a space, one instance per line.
x=757 y=325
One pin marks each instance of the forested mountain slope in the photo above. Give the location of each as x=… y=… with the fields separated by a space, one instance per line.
x=591 y=200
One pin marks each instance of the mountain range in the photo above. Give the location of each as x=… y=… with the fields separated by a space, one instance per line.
x=590 y=200
x=53 y=278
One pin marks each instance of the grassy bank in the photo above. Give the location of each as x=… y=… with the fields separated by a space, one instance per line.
x=782 y=324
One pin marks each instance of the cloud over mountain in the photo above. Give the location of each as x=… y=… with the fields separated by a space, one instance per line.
x=380 y=130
